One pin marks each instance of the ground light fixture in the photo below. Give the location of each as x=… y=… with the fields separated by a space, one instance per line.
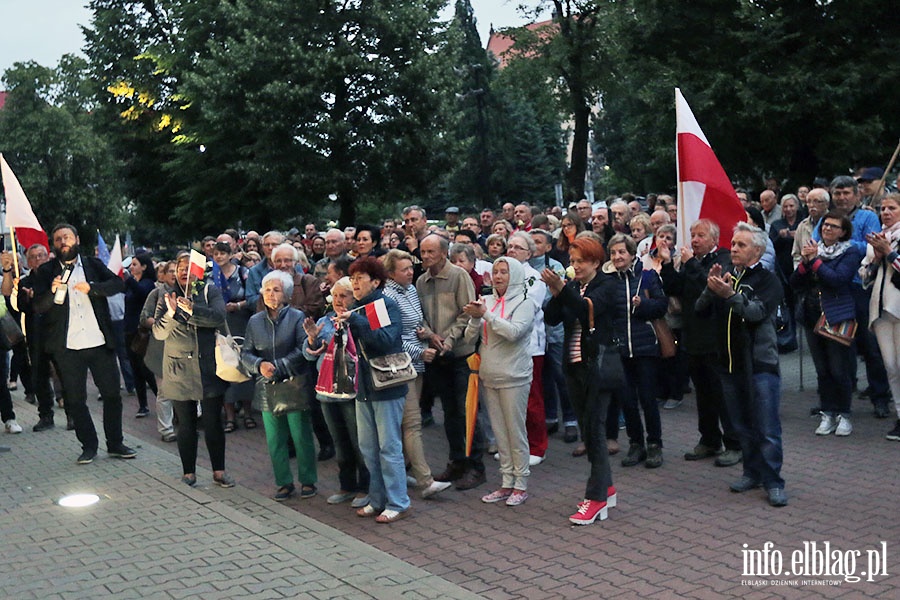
x=79 y=500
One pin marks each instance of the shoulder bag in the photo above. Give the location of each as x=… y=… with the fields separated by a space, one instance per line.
x=285 y=396
x=228 y=357
x=390 y=370
x=842 y=333
x=609 y=360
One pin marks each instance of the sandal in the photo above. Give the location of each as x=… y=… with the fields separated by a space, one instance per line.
x=249 y=423
x=389 y=516
x=367 y=511
x=230 y=426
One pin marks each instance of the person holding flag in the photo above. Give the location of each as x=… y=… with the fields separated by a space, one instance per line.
x=186 y=320
x=71 y=292
x=376 y=324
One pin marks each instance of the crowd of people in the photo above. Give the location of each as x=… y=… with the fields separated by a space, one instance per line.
x=581 y=322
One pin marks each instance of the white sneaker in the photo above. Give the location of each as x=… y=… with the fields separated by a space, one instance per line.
x=844 y=426
x=12 y=426
x=436 y=487
x=827 y=426
x=534 y=461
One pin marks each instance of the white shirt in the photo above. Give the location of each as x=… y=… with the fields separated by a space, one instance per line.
x=84 y=331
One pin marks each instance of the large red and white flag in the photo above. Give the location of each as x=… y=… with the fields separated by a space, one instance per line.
x=704 y=190
x=19 y=215
x=115 y=259
x=377 y=314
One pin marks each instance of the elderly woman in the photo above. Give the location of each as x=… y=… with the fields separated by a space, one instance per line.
x=879 y=270
x=583 y=306
x=521 y=246
x=273 y=352
x=504 y=322
x=639 y=298
x=186 y=321
x=641 y=232
x=340 y=413
x=463 y=256
x=823 y=277
x=400 y=288
x=379 y=413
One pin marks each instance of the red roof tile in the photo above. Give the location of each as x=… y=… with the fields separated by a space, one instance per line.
x=500 y=45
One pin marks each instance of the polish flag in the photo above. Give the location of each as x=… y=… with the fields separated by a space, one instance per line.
x=704 y=190
x=19 y=215
x=377 y=314
x=115 y=259
x=198 y=265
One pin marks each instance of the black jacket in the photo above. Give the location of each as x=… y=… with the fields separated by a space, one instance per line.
x=569 y=307
x=55 y=323
x=687 y=284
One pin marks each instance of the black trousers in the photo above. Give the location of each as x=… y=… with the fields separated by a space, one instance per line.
x=40 y=379
x=73 y=369
x=213 y=432
x=711 y=404
x=591 y=407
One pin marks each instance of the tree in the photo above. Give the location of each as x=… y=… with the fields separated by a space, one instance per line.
x=46 y=135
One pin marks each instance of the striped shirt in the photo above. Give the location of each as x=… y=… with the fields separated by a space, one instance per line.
x=408 y=300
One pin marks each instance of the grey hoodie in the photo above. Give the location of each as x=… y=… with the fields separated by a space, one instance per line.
x=504 y=331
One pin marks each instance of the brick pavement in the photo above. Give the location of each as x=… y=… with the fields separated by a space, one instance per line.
x=153 y=537
x=677 y=533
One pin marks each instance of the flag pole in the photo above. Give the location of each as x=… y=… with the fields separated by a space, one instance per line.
x=15 y=250
x=880 y=189
x=679 y=201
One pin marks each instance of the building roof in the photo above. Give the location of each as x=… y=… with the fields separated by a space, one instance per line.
x=500 y=45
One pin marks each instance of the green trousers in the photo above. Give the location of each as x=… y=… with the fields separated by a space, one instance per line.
x=298 y=426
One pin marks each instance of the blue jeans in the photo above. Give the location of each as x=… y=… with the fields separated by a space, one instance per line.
x=381 y=442
x=752 y=402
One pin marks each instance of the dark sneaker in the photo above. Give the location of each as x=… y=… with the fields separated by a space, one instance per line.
x=654 y=456
x=636 y=455
x=882 y=411
x=777 y=497
x=571 y=435
x=142 y=412
x=702 y=451
x=471 y=479
x=308 y=491
x=894 y=434
x=325 y=452
x=729 y=458
x=44 y=424
x=87 y=457
x=453 y=472
x=225 y=480
x=122 y=451
x=30 y=399
x=744 y=484
x=283 y=493
x=189 y=480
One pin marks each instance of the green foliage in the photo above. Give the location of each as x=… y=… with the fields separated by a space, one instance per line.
x=47 y=136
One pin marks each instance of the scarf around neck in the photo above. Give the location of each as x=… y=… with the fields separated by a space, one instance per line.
x=833 y=251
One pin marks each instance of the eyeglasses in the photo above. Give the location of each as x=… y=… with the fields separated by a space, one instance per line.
x=831 y=226
x=514 y=247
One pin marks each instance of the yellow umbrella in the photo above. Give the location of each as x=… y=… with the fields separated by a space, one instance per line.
x=474 y=362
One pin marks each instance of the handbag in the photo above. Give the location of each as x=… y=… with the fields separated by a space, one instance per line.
x=842 y=333
x=140 y=341
x=338 y=373
x=11 y=330
x=664 y=337
x=390 y=370
x=285 y=396
x=228 y=358
x=609 y=360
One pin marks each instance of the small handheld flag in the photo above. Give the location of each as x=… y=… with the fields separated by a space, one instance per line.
x=377 y=314
x=198 y=265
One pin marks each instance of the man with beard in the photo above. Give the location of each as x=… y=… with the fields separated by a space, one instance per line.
x=76 y=329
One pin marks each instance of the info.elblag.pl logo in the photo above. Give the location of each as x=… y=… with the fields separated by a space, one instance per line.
x=813 y=560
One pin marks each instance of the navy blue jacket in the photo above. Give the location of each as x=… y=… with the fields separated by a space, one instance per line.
x=830 y=279
x=377 y=342
x=631 y=324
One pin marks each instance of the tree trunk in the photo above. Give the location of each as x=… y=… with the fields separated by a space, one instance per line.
x=578 y=166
